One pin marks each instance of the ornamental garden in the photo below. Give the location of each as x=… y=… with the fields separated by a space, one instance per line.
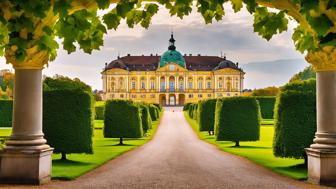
x=281 y=127
x=28 y=33
x=75 y=125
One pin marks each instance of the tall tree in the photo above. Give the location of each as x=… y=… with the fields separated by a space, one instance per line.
x=307 y=73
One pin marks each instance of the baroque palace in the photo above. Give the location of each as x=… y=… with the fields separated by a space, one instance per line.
x=171 y=79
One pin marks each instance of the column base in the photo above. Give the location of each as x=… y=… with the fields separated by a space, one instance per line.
x=25 y=166
x=321 y=166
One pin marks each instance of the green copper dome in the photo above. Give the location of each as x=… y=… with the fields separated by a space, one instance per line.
x=172 y=56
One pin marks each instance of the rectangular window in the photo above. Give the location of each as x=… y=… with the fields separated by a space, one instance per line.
x=190 y=85
x=181 y=86
x=133 y=85
x=121 y=96
x=143 y=96
x=133 y=96
x=190 y=95
x=200 y=95
x=200 y=85
x=209 y=95
x=209 y=85
x=143 y=85
x=152 y=85
x=152 y=95
x=220 y=85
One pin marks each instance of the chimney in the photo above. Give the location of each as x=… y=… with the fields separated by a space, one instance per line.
x=237 y=64
x=151 y=54
x=190 y=54
x=128 y=54
x=198 y=54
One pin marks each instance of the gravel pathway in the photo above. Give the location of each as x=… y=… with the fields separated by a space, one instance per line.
x=176 y=158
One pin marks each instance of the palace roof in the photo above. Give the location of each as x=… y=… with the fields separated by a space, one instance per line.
x=151 y=63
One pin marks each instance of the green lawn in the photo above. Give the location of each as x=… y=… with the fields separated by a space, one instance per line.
x=259 y=152
x=5 y=131
x=104 y=149
x=100 y=103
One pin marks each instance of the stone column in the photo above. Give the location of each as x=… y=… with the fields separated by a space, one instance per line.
x=322 y=154
x=167 y=83
x=26 y=158
x=167 y=100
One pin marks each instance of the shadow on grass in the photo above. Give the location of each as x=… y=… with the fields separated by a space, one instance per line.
x=69 y=162
x=249 y=147
x=116 y=145
x=295 y=169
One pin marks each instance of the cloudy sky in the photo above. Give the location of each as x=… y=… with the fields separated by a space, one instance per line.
x=233 y=36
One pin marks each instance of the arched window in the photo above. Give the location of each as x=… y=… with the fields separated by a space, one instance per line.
x=181 y=83
x=208 y=80
x=162 y=84
x=152 y=83
x=143 y=83
x=220 y=83
x=190 y=83
x=133 y=80
x=200 y=83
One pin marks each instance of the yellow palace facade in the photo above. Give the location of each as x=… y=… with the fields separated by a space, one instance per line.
x=171 y=79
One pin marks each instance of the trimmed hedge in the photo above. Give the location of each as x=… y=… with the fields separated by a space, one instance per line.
x=206 y=115
x=122 y=120
x=99 y=110
x=295 y=119
x=153 y=111
x=237 y=119
x=158 y=106
x=191 y=111
x=186 y=106
x=67 y=122
x=266 y=104
x=145 y=117
x=195 y=112
x=6 y=113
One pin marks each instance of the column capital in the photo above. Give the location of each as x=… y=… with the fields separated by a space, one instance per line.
x=323 y=60
x=34 y=60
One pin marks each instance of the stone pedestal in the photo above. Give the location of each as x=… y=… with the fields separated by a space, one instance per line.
x=321 y=166
x=25 y=167
x=322 y=154
x=26 y=158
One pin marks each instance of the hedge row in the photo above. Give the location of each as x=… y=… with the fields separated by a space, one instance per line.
x=266 y=104
x=67 y=126
x=154 y=112
x=206 y=115
x=186 y=106
x=125 y=119
x=295 y=119
x=237 y=119
x=6 y=112
x=192 y=111
x=145 y=117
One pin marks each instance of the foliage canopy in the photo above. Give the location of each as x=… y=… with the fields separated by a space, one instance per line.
x=28 y=30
